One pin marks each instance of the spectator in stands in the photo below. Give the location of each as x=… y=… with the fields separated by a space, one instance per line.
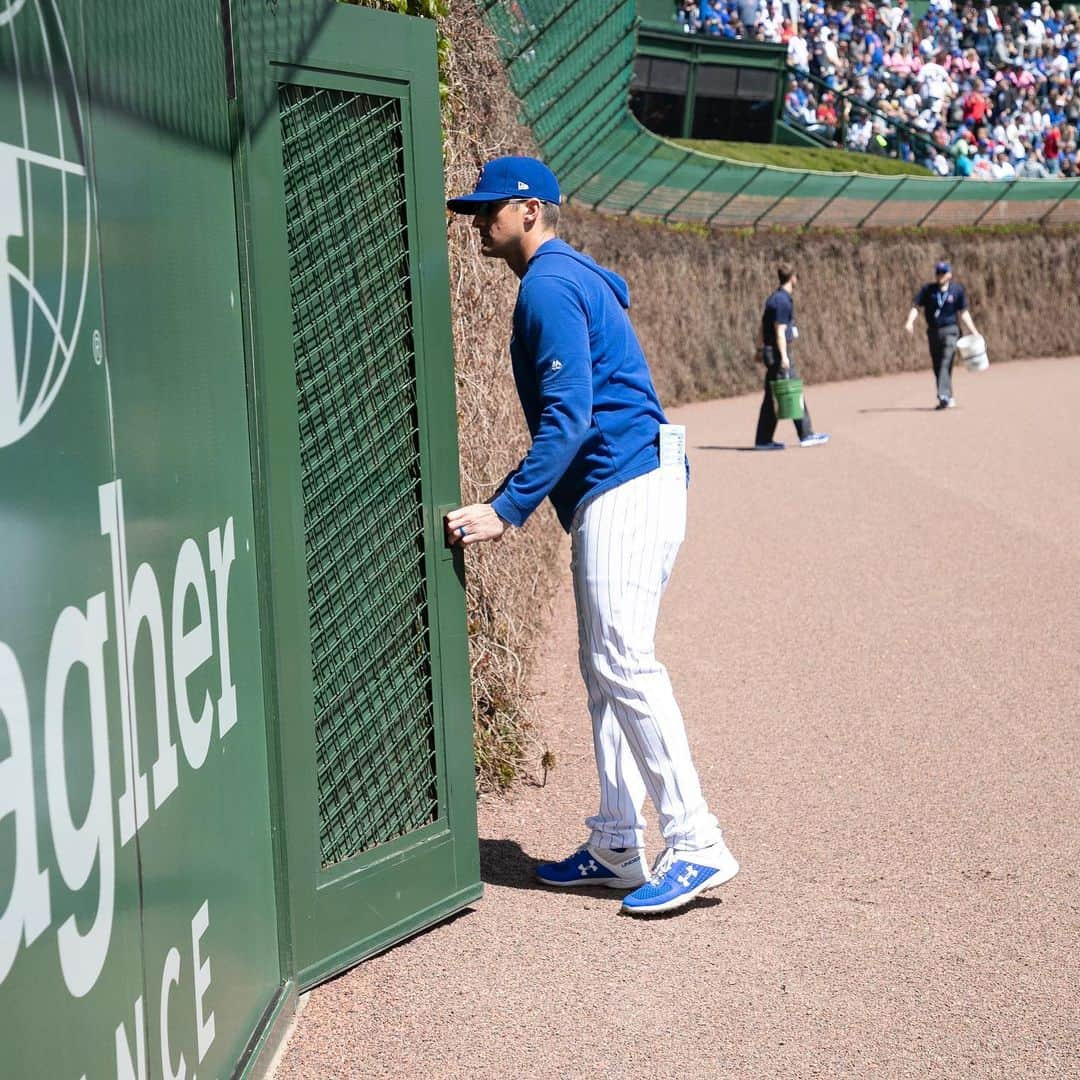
x=963 y=66
x=934 y=82
x=827 y=118
x=748 y=13
x=859 y=131
x=1035 y=29
x=1051 y=149
x=939 y=164
x=903 y=62
x=1013 y=69
x=1032 y=167
x=982 y=167
x=798 y=55
x=862 y=89
x=1067 y=145
x=708 y=17
x=1002 y=168
x=689 y=16
x=961 y=159
x=830 y=54
x=769 y=27
x=975 y=105
x=800 y=107
x=879 y=141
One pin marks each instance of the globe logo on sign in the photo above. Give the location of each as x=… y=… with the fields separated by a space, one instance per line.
x=45 y=214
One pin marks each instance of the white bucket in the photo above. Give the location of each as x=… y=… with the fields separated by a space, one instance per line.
x=972 y=350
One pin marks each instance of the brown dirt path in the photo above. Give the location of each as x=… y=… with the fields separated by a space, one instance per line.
x=875 y=644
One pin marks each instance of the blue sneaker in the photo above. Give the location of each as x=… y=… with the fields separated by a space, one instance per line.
x=619 y=868
x=769 y=446
x=815 y=440
x=676 y=881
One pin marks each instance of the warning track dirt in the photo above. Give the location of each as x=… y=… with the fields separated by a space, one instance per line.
x=875 y=643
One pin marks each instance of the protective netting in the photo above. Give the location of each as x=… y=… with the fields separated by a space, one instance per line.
x=360 y=461
x=571 y=65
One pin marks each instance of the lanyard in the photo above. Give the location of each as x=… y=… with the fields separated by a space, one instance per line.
x=940 y=299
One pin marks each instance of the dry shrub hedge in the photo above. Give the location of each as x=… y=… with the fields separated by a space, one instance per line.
x=697 y=297
x=509 y=584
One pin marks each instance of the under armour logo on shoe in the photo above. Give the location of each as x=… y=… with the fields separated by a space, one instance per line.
x=687 y=876
x=585 y=868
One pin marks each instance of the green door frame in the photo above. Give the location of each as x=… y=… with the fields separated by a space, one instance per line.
x=367 y=903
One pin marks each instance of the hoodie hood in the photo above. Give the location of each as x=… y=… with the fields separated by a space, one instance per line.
x=560 y=247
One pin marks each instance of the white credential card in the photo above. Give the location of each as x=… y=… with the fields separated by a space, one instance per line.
x=672 y=444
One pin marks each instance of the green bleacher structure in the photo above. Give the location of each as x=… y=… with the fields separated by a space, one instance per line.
x=571 y=63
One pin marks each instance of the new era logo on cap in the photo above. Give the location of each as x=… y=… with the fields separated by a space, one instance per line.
x=508 y=178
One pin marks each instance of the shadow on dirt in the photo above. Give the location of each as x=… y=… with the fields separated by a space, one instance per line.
x=503 y=862
x=733 y=449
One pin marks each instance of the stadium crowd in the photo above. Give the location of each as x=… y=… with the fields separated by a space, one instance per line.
x=971 y=89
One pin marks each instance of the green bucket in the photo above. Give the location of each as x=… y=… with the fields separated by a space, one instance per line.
x=788 y=398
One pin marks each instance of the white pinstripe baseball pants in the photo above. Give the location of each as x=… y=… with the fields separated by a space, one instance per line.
x=624 y=544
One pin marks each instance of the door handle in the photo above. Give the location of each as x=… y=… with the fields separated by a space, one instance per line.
x=446 y=549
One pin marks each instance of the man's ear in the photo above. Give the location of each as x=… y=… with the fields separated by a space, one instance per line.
x=531 y=210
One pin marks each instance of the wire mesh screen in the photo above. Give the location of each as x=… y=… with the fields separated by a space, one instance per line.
x=360 y=465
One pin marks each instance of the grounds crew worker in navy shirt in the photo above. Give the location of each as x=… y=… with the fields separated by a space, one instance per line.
x=943 y=302
x=777 y=333
x=615 y=470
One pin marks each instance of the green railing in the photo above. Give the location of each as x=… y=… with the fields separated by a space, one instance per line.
x=570 y=65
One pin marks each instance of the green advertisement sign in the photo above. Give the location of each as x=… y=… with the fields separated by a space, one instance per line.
x=138 y=933
x=235 y=756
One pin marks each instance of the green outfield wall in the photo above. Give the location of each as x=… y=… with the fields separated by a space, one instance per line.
x=235 y=740
x=571 y=66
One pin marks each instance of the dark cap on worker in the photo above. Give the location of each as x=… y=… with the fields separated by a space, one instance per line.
x=942 y=267
x=508 y=178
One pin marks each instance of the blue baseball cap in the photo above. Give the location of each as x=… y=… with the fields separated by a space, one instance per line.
x=509 y=178
x=942 y=268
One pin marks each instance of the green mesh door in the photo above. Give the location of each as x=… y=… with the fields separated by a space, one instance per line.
x=353 y=393
x=345 y=209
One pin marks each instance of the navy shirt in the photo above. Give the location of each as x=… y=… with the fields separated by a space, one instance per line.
x=941 y=308
x=779 y=308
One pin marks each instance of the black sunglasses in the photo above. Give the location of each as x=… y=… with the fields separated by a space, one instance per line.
x=488 y=209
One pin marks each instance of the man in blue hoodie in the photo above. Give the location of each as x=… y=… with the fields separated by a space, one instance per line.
x=615 y=471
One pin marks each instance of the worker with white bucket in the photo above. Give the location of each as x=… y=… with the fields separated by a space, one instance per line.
x=944 y=303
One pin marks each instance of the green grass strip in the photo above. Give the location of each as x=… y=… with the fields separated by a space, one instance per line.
x=803 y=157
